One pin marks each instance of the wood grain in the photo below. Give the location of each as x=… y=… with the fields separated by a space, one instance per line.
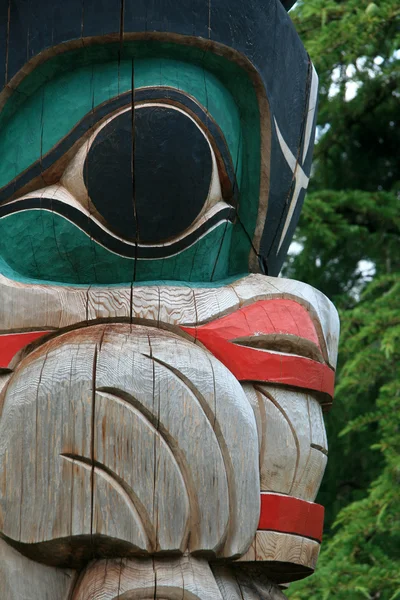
x=186 y=578
x=30 y=306
x=135 y=441
x=293 y=450
x=274 y=549
x=245 y=583
x=23 y=579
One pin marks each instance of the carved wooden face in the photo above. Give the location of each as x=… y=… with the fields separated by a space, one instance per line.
x=226 y=385
x=160 y=407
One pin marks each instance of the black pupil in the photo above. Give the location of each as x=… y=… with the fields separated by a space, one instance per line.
x=150 y=188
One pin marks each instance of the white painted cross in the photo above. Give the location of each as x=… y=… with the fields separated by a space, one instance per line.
x=301 y=179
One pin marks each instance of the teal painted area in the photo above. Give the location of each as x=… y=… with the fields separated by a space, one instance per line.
x=204 y=87
x=60 y=103
x=42 y=246
x=63 y=90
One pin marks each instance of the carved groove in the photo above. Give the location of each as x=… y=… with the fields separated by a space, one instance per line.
x=179 y=459
x=218 y=434
x=296 y=440
x=125 y=492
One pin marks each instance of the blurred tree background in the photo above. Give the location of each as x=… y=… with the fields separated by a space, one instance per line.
x=349 y=237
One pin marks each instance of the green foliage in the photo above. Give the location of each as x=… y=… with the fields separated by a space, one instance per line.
x=361 y=558
x=352 y=214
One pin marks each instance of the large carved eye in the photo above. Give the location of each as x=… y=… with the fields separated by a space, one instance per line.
x=149 y=173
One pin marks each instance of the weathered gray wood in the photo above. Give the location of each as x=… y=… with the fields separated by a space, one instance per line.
x=24 y=579
x=133 y=434
x=293 y=448
x=284 y=548
x=186 y=578
x=235 y=585
x=33 y=306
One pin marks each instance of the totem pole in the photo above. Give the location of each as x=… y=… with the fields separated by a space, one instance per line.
x=162 y=390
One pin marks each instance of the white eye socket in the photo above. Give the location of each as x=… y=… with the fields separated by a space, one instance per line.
x=148 y=176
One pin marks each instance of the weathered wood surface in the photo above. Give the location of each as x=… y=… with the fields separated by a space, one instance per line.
x=35 y=307
x=247 y=583
x=119 y=438
x=132 y=579
x=137 y=441
x=287 y=557
x=187 y=578
x=292 y=438
x=24 y=579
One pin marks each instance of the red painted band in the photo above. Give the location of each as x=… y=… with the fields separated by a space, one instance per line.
x=291 y=515
x=11 y=343
x=267 y=318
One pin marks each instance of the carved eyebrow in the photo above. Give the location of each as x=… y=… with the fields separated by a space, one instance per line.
x=282 y=343
x=50 y=162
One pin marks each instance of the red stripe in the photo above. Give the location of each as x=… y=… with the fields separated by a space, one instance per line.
x=266 y=317
x=291 y=515
x=277 y=315
x=12 y=343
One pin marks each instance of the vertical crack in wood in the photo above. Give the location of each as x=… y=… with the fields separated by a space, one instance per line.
x=87 y=304
x=263 y=417
x=134 y=199
x=93 y=243
x=36 y=424
x=82 y=18
x=92 y=445
x=196 y=315
x=7 y=42
x=155 y=463
x=121 y=41
x=154 y=577
x=194 y=508
x=73 y=446
x=119 y=576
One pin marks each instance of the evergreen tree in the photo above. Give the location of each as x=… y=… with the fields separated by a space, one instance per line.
x=350 y=221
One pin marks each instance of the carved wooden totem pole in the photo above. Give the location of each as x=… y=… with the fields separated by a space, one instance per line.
x=161 y=429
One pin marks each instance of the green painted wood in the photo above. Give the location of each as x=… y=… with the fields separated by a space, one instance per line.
x=60 y=92
x=43 y=246
x=60 y=103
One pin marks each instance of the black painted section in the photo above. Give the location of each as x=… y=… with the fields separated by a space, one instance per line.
x=156 y=195
x=18 y=38
x=107 y=239
x=101 y=17
x=3 y=39
x=167 y=15
x=283 y=179
x=288 y=3
x=259 y=29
